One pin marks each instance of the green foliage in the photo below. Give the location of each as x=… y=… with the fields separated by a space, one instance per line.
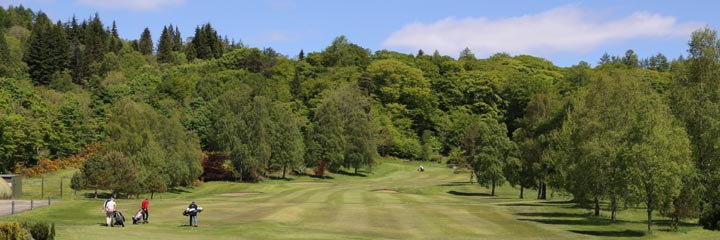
x=13 y=230
x=625 y=145
x=4 y=54
x=40 y=230
x=165 y=46
x=287 y=146
x=594 y=133
x=326 y=139
x=206 y=44
x=342 y=53
x=146 y=43
x=487 y=149
x=694 y=100
x=154 y=144
x=398 y=83
x=47 y=52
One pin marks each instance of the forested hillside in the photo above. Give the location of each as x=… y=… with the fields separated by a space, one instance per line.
x=169 y=106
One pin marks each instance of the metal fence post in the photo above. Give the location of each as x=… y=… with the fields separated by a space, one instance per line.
x=32 y=205
x=48 y=200
x=12 y=209
x=61 y=188
x=42 y=187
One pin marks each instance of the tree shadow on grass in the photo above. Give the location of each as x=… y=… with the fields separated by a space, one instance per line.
x=626 y=233
x=570 y=222
x=456 y=193
x=177 y=191
x=569 y=204
x=559 y=202
x=280 y=178
x=553 y=214
x=669 y=223
x=359 y=174
x=451 y=184
x=323 y=177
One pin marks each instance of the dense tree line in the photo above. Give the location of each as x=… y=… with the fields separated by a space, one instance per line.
x=628 y=132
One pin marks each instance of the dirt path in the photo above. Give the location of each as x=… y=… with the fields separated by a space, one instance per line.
x=20 y=206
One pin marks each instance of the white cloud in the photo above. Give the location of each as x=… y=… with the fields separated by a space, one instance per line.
x=138 y=5
x=563 y=29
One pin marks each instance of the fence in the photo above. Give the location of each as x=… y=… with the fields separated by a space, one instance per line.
x=55 y=188
x=38 y=192
x=10 y=207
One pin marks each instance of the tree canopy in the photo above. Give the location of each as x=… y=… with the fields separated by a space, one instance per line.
x=631 y=130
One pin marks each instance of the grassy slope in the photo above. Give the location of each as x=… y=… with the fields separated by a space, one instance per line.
x=435 y=204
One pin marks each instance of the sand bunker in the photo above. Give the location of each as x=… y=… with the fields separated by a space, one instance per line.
x=386 y=191
x=238 y=194
x=309 y=183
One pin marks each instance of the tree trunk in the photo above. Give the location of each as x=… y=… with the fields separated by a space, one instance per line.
x=539 y=191
x=521 y=191
x=649 y=212
x=320 y=169
x=613 y=209
x=544 y=192
x=356 y=170
x=597 y=207
x=241 y=171
x=284 y=170
x=95 y=196
x=493 y=188
x=472 y=174
x=152 y=194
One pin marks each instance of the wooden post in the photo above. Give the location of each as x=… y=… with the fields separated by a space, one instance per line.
x=12 y=209
x=31 y=205
x=61 y=188
x=42 y=187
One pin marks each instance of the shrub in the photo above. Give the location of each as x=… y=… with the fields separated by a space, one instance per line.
x=407 y=148
x=40 y=230
x=46 y=165
x=710 y=217
x=13 y=230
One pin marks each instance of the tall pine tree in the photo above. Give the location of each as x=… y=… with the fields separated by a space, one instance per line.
x=177 y=39
x=206 y=44
x=164 y=54
x=47 y=53
x=146 y=44
x=115 y=43
x=4 y=53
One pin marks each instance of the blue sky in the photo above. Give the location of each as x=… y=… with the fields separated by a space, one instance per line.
x=564 y=32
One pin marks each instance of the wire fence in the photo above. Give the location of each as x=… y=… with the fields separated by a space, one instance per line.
x=55 y=188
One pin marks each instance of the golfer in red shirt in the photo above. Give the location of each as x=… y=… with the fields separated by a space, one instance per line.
x=144 y=207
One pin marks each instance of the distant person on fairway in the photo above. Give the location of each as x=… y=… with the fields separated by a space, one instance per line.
x=192 y=209
x=421 y=168
x=110 y=208
x=145 y=213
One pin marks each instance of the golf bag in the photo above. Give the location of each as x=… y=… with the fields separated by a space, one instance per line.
x=137 y=217
x=119 y=219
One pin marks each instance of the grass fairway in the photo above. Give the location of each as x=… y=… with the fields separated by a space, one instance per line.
x=435 y=204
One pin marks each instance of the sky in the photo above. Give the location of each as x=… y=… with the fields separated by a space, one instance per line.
x=563 y=32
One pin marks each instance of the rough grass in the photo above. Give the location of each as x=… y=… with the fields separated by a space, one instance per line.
x=435 y=204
